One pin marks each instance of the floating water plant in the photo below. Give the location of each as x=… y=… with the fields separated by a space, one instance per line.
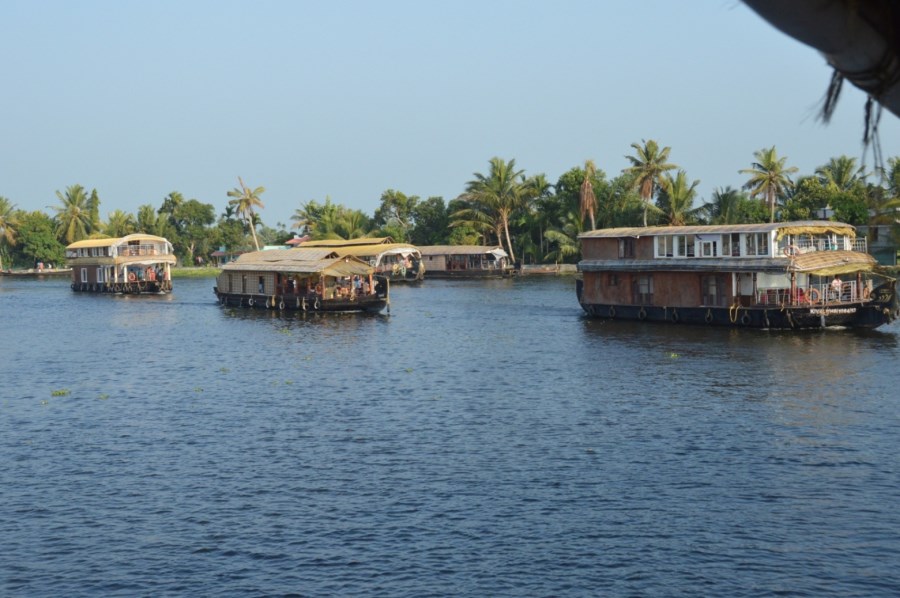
x=60 y=392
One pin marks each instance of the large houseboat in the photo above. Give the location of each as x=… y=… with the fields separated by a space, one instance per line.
x=399 y=262
x=465 y=261
x=302 y=279
x=809 y=274
x=134 y=264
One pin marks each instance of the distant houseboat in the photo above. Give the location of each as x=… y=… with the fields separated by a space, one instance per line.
x=465 y=261
x=302 y=279
x=136 y=264
x=809 y=274
x=399 y=262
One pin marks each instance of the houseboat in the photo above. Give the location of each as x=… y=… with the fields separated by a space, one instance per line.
x=399 y=262
x=302 y=279
x=809 y=274
x=135 y=264
x=465 y=261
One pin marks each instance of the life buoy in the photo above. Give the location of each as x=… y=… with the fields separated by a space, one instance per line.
x=642 y=314
x=791 y=250
x=316 y=304
x=281 y=305
x=250 y=302
x=131 y=277
x=304 y=304
x=813 y=295
x=745 y=319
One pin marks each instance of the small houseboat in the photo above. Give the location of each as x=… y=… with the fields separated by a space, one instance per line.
x=302 y=279
x=135 y=264
x=466 y=261
x=809 y=274
x=399 y=262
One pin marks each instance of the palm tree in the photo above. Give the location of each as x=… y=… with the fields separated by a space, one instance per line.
x=840 y=173
x=8 y=225
x=769 y=177
x=587 y=199
x=73 y=215
x=724 y=206
x=119 y=224
x=677 y=198
x=565 y=238
x=648 y=165
x=245 y=200
x=496 y=196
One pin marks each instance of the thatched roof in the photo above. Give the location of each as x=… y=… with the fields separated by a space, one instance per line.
x=305 y=261
x=829 y=263
x=348 y=242
x=431 y=250
x=859 y=39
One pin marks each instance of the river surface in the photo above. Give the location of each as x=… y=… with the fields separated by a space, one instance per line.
x=485 y=439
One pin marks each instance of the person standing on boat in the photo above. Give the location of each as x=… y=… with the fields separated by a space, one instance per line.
x=836 y=285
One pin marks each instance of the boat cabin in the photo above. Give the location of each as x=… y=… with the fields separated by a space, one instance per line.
x=465 y=261
x=400 y=262
x=135 y=263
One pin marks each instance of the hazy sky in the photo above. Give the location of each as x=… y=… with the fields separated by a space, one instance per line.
x=347 y=99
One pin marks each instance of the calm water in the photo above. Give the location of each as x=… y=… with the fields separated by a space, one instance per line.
x=485 y=439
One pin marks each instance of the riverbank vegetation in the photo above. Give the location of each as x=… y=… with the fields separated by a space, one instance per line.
x=535 y=220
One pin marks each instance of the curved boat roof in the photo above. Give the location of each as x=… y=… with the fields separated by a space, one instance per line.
x=463 y=250
x=110 y=241
x=300 y=261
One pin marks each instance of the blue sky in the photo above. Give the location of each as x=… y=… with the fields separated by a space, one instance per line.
x=350 y=98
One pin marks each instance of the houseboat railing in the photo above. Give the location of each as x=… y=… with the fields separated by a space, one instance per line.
x=823 y=293
x=810 y=245
x=137 y=250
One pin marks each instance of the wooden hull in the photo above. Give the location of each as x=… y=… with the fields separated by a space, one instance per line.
x=148 y=287
x=297 y=303
x=883 y=309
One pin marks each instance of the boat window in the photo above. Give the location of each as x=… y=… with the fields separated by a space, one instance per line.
x=643 y=290
x=100 y=274
x=626 y=247
x=685 y=245
x=84 y=277
x=708 y=249
x=665 y=246
x=712 y=287
x=756 y=244
x=613 y=280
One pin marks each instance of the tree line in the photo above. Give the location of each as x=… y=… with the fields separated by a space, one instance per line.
x=536 y=221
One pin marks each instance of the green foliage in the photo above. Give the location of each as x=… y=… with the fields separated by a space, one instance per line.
x=769 y=178
x=432 y=221
x=75 y=214
x=37 y=240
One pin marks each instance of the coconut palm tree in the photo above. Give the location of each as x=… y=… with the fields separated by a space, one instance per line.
x=119 y=224
x=73 y=216
x=587 y=199
x=841 y=174
x=677 y=198
x=769 y=178
x=495 y=196
x=245 y=200
x=725 y=206
x=8 y=225
x=648 y=164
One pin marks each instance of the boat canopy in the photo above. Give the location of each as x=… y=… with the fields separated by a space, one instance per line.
x=497 y=252
x=110 y=241
x=300 y=261
x=348 y=242
x=831 y=263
